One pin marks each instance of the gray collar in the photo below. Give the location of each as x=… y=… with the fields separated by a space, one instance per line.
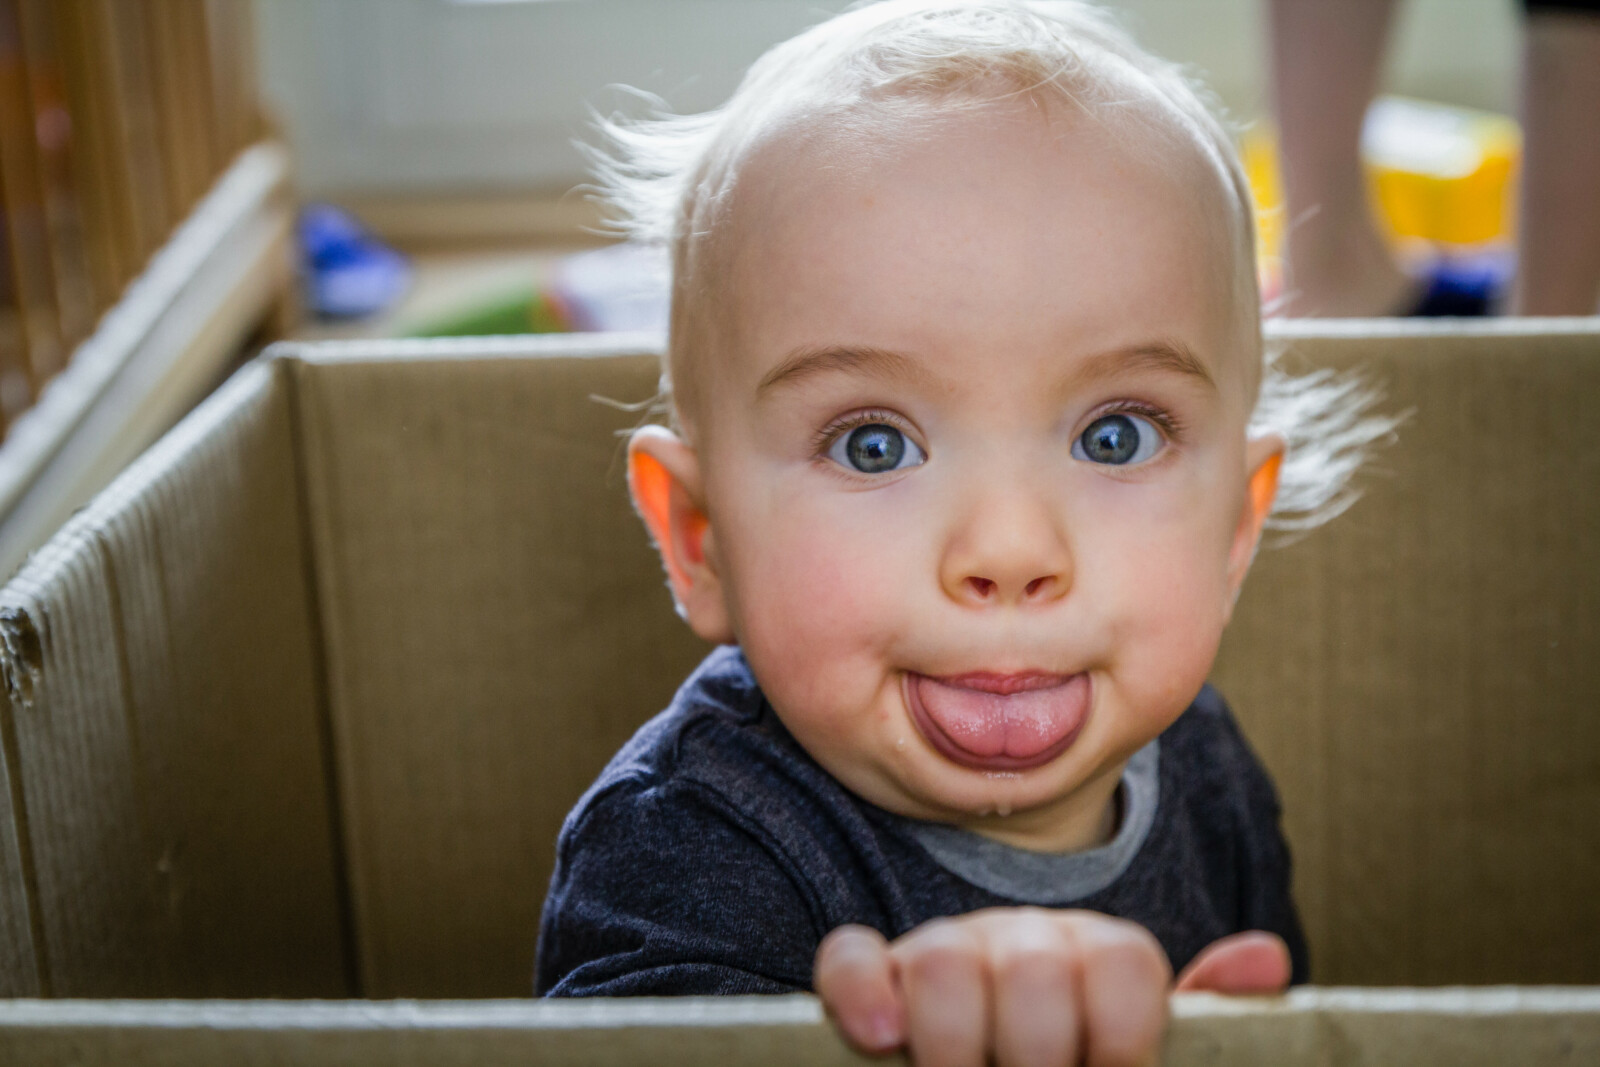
x=1051 y=878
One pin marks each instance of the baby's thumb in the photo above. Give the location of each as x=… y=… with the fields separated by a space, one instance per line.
x=1253 y=963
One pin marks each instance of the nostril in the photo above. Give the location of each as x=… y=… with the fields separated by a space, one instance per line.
x=1035 y=586
x=982 y=586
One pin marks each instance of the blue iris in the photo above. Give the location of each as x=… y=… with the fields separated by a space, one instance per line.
x=875 y=448
x=1111 y=439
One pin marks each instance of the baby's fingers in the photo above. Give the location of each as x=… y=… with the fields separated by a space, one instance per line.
x=941 y=971
x=1254 y=962
x=1036 y=1014
x=855 y=979
x=1125 y=977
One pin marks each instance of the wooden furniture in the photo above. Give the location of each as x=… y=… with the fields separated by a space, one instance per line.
x=146 y=233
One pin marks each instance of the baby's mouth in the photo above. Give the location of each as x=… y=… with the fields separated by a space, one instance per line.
x=999 y=722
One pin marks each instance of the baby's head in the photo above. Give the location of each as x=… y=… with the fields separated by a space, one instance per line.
x=964 y=354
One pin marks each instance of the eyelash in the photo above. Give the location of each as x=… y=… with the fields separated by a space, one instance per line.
x=1169 y=424
x=825 y=437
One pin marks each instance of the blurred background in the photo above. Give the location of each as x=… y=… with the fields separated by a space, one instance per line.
x=447 y=123
x=186 y=180
x=438 y=95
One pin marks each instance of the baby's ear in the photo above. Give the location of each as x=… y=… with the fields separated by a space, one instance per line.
x=664 y=480
x=1263 y=458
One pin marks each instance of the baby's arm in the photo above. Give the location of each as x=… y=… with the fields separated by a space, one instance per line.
x=1021 y=986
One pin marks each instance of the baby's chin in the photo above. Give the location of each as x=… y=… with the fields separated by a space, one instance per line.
x=1067 y=810
x=922 y=783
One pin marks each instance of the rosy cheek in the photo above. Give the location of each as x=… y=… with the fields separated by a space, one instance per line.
x=807 y=612
x=830 y=580
x=1172 y=655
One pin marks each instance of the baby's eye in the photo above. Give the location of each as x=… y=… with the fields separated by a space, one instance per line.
x=875 y=448
x=1118 y=439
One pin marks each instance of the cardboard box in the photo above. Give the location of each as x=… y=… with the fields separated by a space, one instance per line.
x=297 y=705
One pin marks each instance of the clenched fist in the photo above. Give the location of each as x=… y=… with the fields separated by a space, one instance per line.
x=1020 y=987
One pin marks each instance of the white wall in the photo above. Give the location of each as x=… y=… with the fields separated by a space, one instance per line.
x=403 y=95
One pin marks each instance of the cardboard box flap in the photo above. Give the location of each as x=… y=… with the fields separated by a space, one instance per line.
x=165 y=725
x=497 y=625
x=1421 y=675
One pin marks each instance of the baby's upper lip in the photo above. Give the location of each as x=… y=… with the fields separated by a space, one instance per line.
x=1002 y=683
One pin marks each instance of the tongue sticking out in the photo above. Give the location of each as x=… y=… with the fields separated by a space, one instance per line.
x=1000 y=723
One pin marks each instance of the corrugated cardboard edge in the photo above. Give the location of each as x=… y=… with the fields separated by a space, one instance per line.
x=20 y=973
x=81 y=651
x=512 y=346
x=1308 y=1027
x=26 y=623
x=521 y=346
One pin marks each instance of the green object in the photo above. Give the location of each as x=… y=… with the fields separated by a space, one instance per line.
x=520 y=311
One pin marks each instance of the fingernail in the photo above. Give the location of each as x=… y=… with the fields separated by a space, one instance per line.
x=882 y=1031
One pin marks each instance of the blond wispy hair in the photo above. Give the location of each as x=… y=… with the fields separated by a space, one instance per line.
x=667 y=179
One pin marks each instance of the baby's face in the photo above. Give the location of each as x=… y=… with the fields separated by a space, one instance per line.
x=974 y=460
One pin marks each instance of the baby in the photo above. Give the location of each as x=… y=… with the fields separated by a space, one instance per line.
x=969 y=455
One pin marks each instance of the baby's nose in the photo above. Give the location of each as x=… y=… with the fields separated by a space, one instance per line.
x=985 y=589
x=1007 y=552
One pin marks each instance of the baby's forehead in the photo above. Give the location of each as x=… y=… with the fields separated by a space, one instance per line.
x=788 y=203
x=797 y=159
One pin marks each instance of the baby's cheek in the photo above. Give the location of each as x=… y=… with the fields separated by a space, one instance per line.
x=808 y=596
x=819 y=634
x=815 y=614
x=1173 y=640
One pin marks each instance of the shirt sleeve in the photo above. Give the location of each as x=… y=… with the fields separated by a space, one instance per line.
x=663 y=890
x=1267 y=902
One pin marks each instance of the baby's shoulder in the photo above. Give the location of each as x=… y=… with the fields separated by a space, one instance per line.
x=1206 y=751
x=717 y=750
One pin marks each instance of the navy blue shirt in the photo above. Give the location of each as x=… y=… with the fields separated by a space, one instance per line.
x=713 y=854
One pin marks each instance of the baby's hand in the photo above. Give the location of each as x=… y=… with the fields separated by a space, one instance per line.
x=1024 y=986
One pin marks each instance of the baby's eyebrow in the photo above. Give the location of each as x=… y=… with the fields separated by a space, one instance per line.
x=1173 y=357
x=809 y=360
